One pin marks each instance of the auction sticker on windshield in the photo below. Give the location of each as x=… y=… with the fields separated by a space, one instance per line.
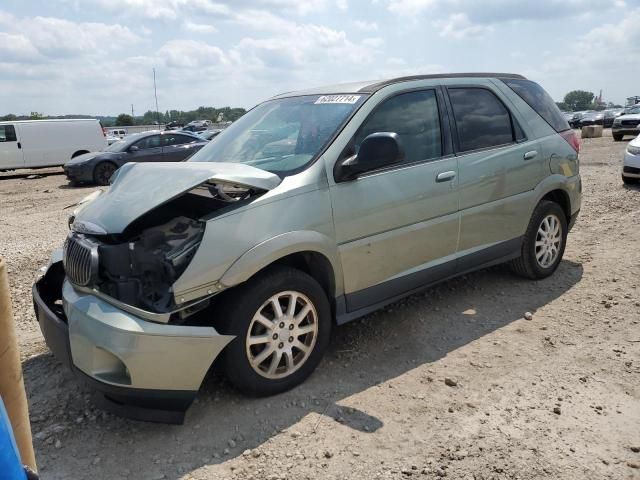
x=338 y=99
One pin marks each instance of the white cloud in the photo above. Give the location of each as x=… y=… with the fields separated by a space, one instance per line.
x=191 y=54
x=16 y=47
x=496 y=11
x=373 y=42
x=366 y=26
x=200 y=27
x=56 y=37
x=458 y=26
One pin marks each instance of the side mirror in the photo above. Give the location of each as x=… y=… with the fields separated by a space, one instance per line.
x=377 y=150
x=133 y=148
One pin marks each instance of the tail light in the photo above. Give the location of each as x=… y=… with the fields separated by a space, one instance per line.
x=572 y=139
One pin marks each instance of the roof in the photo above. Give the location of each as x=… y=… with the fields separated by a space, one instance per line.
x=52 y=120
x=375 y=85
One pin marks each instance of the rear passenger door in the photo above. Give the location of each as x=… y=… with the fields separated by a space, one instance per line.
x=498 y=169
x=11 y=153
x=177 y=147
x=397 y=227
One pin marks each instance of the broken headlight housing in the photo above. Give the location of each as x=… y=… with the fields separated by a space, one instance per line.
x=140 y=272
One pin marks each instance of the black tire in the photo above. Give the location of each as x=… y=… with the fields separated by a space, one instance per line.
x=617 y=138
x=103 y=172
x=238 y=310
x=630 y=181
x=527 y=264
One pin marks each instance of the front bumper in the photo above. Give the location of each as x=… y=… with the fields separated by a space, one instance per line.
x=141 y=369
x=625 y=129
x=78 y=173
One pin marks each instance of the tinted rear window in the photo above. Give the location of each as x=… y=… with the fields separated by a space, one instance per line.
x=540 y=101
x=482 y=120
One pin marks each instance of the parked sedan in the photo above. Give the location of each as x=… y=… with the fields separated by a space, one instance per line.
x=577 y=116
x=627 y=124
x=592 y=118
x=631 y=163
x=154 y=146
x=611 y=115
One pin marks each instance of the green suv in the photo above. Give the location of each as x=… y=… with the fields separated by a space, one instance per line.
x=313 y=209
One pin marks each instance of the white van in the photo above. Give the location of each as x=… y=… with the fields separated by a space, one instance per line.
x=45 y=143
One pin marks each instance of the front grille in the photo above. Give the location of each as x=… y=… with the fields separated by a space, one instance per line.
x=80 y=259
x=630 y=123
x=634 y=170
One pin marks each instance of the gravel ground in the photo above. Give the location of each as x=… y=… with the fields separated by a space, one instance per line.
x=451 y=383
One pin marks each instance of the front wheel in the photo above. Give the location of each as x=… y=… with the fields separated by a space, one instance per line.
x=617 y=138
x=103 y=172
x=282 y=323
x=543 y=243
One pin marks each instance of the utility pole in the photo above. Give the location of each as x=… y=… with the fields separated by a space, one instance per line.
x=132 y=115
x=155 y=93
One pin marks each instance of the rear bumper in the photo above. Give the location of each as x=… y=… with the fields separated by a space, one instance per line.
x=140 y=369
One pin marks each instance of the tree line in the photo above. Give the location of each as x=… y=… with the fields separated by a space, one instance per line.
x=579 y=100
x=224 y=114
x=216 y=115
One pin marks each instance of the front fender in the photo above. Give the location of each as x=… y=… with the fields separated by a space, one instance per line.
x=267 y=252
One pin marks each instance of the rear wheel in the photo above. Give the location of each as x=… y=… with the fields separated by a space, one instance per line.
x=544 y=242
x=103 y=172
x=630 y=181
x=282 y=323
x=617 y=138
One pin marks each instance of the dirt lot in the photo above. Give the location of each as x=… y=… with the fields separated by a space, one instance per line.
x=556 y=397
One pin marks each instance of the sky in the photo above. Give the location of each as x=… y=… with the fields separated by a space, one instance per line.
x=96 y=57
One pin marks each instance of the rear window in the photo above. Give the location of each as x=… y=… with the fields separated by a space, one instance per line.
x=540 y=101
x=482 y=120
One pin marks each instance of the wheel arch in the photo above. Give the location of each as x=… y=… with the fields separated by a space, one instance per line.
x=79 y=152
x=560 y=197
x=310 y=252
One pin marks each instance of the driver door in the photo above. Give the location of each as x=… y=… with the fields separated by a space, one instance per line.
x=397 y=228
x=149 y=150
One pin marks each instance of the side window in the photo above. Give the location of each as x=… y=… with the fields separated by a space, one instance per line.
x=149 y=142
x=8 y=133
x=482 y=120
x=168 y=140
x=414 y=117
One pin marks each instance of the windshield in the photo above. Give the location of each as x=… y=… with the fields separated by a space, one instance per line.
x=633 y=110
x=284 y=135
x=122 y=145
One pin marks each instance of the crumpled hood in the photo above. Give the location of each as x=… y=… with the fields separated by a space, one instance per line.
x=140 y=187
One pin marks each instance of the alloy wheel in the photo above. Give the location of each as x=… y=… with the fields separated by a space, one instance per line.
x=548 y=241
x=282 y=334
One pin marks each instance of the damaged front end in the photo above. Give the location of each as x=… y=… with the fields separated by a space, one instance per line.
x=137 y=263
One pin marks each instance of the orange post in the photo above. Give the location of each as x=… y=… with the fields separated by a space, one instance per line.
x=11 y=381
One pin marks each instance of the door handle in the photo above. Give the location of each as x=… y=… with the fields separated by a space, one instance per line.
x=19 y=145
x=530 y=155
x=446 y=176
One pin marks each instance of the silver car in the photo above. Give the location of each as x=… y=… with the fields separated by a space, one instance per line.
x=313 y=209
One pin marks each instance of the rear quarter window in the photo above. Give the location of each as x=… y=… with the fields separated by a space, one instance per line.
x=538 y=99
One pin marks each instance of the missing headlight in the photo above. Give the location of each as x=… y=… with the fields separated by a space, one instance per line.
x=140 y=272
